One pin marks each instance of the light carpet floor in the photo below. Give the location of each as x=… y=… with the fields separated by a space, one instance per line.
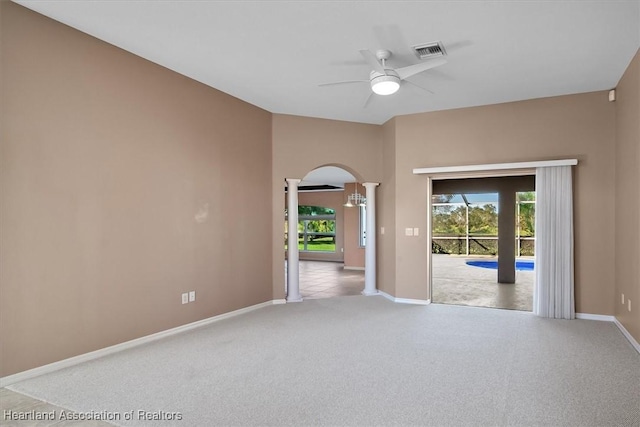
x=367 y=361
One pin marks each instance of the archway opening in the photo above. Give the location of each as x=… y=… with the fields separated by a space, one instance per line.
x=330 y=242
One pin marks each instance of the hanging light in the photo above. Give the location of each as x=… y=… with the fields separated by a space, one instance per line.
x=385 y=84
x=355 y=199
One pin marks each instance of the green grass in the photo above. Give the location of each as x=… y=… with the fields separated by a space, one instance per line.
x=323 y=244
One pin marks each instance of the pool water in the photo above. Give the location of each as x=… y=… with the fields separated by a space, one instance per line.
x=520 y=265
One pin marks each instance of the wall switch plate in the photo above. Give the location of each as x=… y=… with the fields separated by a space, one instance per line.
x=629 y=304
x=185 y=298
x=381 y=230
x=416 y=231
x=192 y=296
x=408 y=231
x=622 y=298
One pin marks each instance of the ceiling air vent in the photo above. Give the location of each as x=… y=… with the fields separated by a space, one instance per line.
x=429 y=50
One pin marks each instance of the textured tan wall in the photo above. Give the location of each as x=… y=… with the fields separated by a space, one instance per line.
x=123 y=184
x=301 y=144
x=627 y=224
x=576 y=126
x=353 y=252
x=332 y=200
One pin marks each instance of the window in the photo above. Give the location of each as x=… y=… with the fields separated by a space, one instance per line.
x=363 y=226
x=316 y=229
x=467 y=224
x=525 y=223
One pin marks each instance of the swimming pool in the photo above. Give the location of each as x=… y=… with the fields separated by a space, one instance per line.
x=520 y=265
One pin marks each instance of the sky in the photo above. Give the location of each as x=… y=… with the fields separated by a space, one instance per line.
x=476 y=198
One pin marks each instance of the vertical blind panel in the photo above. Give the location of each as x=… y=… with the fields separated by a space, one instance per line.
x=554 y=289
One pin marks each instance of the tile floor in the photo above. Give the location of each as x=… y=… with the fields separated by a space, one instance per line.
x=321 y=279
x=454 y=282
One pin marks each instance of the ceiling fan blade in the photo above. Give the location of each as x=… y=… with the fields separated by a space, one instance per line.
x=372 y=60
x=368 y=101
x=344 y=82
x=411 y=70
x=419 y=87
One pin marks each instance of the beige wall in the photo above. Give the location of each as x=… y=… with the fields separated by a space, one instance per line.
x=113 y=169
x=627 y=219
x=301 y=144
x=332 y=200
x=386 y=212
x=123 y=184
x=576 y=126
x=353 y=252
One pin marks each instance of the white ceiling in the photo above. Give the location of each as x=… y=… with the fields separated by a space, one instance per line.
x=274 y=54
x=327 y=175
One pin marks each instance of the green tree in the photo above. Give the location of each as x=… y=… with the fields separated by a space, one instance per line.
x=483 y=219
x=314 y=210
x=527 y=219
x=441 y=198
x=449 y=221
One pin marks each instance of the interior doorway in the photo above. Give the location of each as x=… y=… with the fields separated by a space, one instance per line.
x=330 y=259
x=482 y=234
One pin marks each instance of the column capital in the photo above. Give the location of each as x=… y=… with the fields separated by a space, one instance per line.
x=370 y=184
x=292 y=181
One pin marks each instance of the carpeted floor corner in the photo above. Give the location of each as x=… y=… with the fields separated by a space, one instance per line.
x=366 y=361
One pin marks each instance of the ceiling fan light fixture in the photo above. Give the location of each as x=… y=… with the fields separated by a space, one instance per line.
x=385 y=84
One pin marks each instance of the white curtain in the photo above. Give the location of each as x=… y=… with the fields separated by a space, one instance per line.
x=553 y=294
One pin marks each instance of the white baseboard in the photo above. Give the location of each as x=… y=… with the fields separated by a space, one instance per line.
x=405 y=300
x=353 y=268
x=55 y=366
x=613 y=319
x=387 y=296
x=627 y=335
x=413 y=301
x=600 y=317
x=279 y=301
x=368 y=294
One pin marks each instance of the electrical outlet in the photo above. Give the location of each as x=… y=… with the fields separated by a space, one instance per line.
x=416 y=231
x=185 y=298
x=192 y=296
x=408 y=231
x=381 y=230
x=622 y=298
x=629 y=302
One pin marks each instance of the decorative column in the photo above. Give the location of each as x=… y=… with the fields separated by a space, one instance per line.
x=506 y=236
x=293 y=275
x=370 y=242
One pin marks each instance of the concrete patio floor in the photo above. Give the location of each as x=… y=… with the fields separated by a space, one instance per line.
x=455 y=282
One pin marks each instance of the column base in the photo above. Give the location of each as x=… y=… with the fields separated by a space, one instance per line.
x=369 y=293
x=294 y=299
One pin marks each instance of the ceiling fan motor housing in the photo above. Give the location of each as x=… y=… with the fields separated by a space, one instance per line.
x=385 y=84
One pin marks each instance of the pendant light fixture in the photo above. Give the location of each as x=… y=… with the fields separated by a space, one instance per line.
x=355 y=199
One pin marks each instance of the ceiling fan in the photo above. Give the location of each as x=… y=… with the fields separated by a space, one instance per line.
x=385 y=80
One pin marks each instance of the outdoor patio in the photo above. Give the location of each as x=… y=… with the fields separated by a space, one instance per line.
x=455 y=282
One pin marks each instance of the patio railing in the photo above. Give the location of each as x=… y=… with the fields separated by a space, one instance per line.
x=478 y=245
